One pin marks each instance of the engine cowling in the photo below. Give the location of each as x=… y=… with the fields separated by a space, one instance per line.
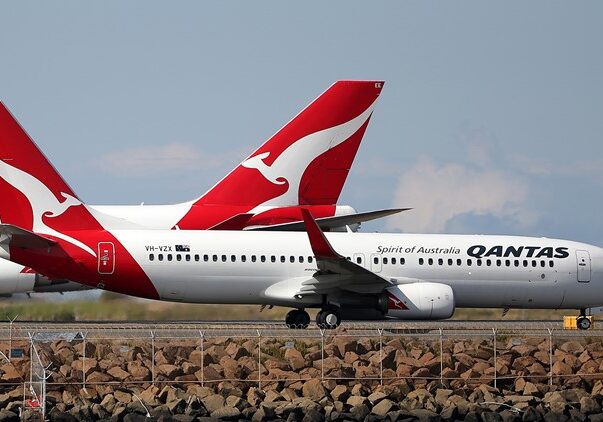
x=421 y=300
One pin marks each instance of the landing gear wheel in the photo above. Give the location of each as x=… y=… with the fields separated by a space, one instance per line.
x=583 y=322
x=297 y=319
x=328 y=318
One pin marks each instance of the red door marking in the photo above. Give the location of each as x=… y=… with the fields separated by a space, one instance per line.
x=106 y=258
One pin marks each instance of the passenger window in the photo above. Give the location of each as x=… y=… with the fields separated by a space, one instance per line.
x=224 y=258
x=525 y=262
x=450 y=261
x=393 y=261
x=358 y=260
x=468 y=262
x=479 y=262
x=263 y=258
x=459 y=262
x=551 y=264
x=440 y=261
x=430 y=261
x=542 y=264
x=301 y=259
x=534 y=263
x=253 y=258
x=215 y=258
x=160 y=257
x=283 y=258
x=488 y=262
x=169 y=257
x=243 y=258
x=421 y=261
x=178 y=257
x=498 y=262
x=310 y=259
x=375 y=260
x=348 y=258
x=508 y=262
x=272 y=258
x=292 y=259
x=402 y=261
x=151 y=257
x=233 y=258
x=205 y=258
x=516 y=262
x=384 y=260
x=188 y=257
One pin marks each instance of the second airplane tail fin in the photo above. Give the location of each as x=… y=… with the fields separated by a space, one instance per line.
x=33 y=195
x=307 y=161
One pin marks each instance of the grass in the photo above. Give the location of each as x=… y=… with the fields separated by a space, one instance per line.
x=116 y=308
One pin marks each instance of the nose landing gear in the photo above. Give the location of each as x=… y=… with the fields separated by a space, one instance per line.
x=583 y=322
x=297 y=319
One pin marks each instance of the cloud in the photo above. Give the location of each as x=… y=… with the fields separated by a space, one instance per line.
x=150 y=160
x=441 y=194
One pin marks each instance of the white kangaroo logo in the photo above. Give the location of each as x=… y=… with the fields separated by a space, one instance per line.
x=43 y=202
x=290 y=165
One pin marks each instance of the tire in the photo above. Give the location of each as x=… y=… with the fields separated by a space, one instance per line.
x=583 y=323
x=329 y=318
x=297 y=319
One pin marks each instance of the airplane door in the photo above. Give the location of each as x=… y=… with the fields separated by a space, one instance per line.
x=106 y=258
x=583 y=258
x=376 y=262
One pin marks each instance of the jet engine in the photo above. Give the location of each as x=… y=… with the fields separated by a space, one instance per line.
x=420 y=300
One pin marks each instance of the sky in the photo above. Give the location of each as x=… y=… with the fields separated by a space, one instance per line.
x=490 y=120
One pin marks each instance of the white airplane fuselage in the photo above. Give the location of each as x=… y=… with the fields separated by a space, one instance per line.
x=483 y=271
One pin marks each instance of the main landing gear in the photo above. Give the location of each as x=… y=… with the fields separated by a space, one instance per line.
x=583 y=322
x=297 y=319
x=328 y=318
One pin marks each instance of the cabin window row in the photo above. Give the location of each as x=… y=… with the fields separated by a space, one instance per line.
x=385 y=260
x=230 y=258
x=489 y=262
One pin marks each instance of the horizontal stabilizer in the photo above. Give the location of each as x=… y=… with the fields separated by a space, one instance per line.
x=327 y=223
x=25 y=239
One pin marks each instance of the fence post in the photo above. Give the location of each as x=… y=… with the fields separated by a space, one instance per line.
x=10 y=337
x=84 y=335
x=441 y=358
x=152 y=357
x=494 y=343
x=322 y=354
x=259 y=359
x=550 y=356
x=202 y=334
x=380 y=330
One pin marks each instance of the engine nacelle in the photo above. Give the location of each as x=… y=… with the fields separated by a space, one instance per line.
x=15 y=279
x=420 y=300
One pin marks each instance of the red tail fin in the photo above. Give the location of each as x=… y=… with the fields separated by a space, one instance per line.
x=307 y=161
x=33 y=195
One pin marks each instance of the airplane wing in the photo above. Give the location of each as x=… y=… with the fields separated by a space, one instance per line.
x=25 y=239
x=332 y=222
x=336 y=272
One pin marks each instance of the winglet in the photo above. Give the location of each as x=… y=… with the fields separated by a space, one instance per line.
x=319 y=243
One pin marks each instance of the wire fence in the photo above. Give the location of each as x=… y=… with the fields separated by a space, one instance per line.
x=139 y=355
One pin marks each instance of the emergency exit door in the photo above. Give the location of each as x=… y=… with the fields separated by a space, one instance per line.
x=106 y=258
x=583 y=261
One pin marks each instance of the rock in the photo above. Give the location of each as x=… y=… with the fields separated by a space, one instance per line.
x=356 y=400
x=8 y=416
x=134 y=417
x=263 y=414
x=254 y=396
x=313 y=390
x=561 y=368
x=441 y=396
x=295 y=359
x=226 y=413
x=359 y=412
x=170 y=371
x=213 y=403
x=339 y=393
x=108 y=403
x=149 y=396
x=530 y=389
x=122 y=397
x=383 y=407
x=491 y=417
x=118 y=373
x=589 y=406
x=376 y=397
x=60 y=416
x=138 y=371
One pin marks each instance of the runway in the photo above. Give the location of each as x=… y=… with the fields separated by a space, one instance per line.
x=25 y=329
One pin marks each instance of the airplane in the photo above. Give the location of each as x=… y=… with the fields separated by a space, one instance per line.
x=304 y=163
x=344 y=274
